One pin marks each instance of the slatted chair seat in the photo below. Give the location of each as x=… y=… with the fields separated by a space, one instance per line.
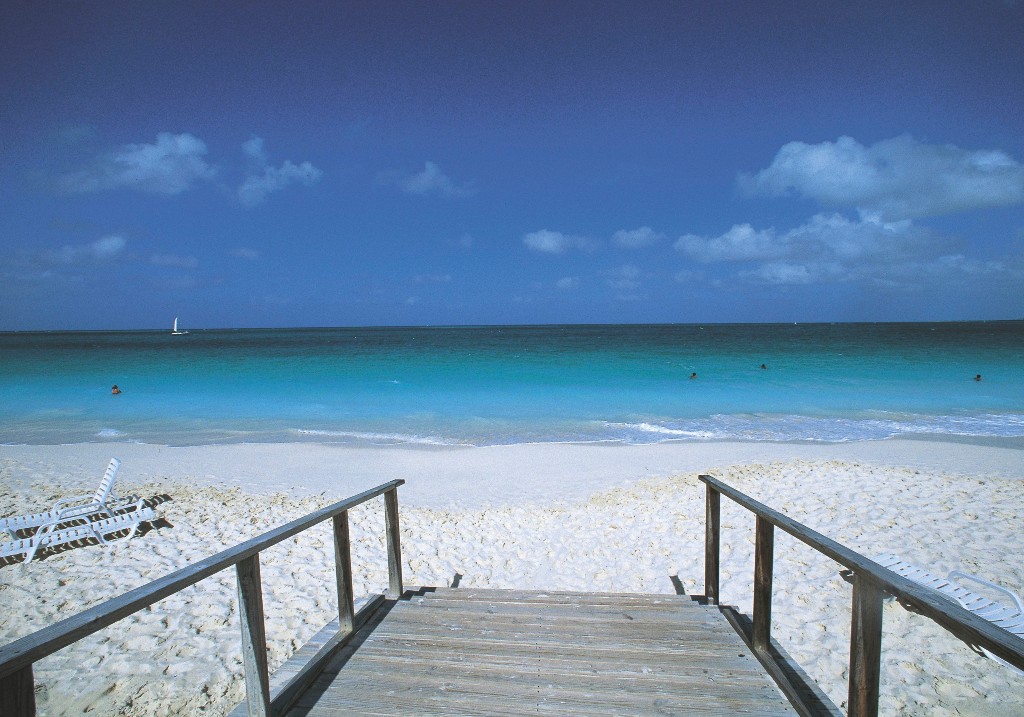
x=1009 y=617
x=66 y=510
x=50 y=536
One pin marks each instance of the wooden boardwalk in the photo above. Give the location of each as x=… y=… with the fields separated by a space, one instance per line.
x=501 y=652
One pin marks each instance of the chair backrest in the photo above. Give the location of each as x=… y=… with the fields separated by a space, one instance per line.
x=103 y=492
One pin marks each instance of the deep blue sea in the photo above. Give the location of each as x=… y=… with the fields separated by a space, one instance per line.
x=502 y=385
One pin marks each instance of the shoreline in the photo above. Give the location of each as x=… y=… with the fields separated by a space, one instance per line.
x=441 y=476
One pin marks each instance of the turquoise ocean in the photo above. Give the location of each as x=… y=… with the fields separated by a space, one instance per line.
x=509 y=384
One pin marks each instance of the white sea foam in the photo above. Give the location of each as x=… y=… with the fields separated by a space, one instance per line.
x=644 y=427
x=833 y=429
x=377 y=438
x=110 y=433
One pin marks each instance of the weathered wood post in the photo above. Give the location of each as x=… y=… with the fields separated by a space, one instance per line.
x=343 y=573
x=254 y=636
x=865 y=646
x=764 y=547
x=17 y=694
x=394 y=541
x=712 y=538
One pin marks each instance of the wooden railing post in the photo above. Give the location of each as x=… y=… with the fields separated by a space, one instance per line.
x=865 y=646
x=343 y=573
x=764 y=547
x=18 y=694
x=712 y=543
x=394 y=541
x=254 y=636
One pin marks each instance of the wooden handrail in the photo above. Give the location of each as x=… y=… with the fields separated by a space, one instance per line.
x=16 y=658
x=871 y=582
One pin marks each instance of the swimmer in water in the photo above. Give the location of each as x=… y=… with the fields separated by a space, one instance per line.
x=115 y=390
x=693 y=375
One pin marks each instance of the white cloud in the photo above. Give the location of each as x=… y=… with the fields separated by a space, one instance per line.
x=104 y=249
x=108 y=246
x=898 y=178
x=433 y=181
x=637 y=238
x=551 y=242
x=824 y=237
x=265 y=179
x=253 y=149
x=781 y=272
x=826 y=248
x=741 y=243
x=568 y=283
x=960 y=264
x=625 y=277
x=169 y=166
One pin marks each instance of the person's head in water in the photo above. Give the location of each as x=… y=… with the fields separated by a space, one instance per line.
x=977 y=377
x=115 y=390
x=763 y=366
x=693 y=375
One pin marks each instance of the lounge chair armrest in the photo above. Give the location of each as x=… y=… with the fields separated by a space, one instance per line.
x=960 y=575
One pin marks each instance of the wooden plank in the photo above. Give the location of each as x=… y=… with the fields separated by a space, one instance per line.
x=17 y=694
x=865 y=646
x=962 y=623
x=486 y=654
x=343 y=572
x=764 y=550
x=566 y=609
x=29 y=649
x=394 y=541
x=628 y=624
x=532 y=691
x=712 y=543
x=254 y=636
x=696 y=641
x=472 y=595
x=681 y=663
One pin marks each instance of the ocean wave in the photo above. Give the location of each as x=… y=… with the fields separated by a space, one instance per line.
x=451 y=431
x=644 y=427
x=377 y=438
x=831 y=429
x=110 y=433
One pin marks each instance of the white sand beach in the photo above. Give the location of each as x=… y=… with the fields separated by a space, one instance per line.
x=551 y=516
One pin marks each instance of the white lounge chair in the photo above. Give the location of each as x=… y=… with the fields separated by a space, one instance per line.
x=50 y=535
x=102 y=502
x=1010 y=619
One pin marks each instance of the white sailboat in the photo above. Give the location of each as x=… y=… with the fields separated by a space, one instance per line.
x=174 y=331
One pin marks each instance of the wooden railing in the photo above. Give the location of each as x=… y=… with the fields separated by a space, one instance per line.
x=17 y=690
x=871 y=584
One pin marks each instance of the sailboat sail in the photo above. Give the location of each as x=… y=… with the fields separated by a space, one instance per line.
x=175 y=330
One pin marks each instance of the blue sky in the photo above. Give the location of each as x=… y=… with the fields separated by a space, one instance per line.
x=332 y=164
